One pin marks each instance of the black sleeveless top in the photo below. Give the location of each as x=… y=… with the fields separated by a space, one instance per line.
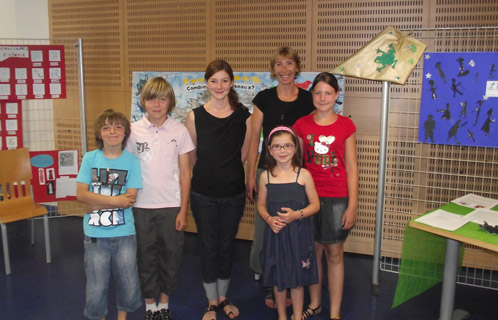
x=277 y=112
x=218 y=170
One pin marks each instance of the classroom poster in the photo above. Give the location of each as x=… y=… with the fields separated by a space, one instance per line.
x=191 y=92
x=10 y=125
x=54 y=175
x=32 y=72
x=459 y=102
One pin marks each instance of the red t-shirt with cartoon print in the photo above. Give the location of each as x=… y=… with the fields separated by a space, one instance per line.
x=324 y=153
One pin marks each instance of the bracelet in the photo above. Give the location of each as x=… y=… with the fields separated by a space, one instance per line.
x=267 y=217
x=302 y=214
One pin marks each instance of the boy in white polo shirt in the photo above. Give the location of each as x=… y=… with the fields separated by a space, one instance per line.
x=160 y=212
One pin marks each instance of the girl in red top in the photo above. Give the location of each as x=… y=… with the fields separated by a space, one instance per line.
x=329 y=147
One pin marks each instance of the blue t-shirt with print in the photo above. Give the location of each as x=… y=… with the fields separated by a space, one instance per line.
x=110 y=177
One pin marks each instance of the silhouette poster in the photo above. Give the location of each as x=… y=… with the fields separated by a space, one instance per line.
x=459 y=102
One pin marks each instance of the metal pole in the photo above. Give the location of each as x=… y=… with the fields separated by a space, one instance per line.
x=46 y=229
x=6 y=256
x=81 y=80
x=379 y=213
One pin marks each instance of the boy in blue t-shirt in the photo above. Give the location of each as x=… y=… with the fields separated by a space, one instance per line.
x=107 y=183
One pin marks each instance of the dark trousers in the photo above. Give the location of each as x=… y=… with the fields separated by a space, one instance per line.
x=217 y=221
x=160 y=250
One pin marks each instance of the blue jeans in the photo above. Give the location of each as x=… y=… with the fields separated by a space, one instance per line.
x=217 y=221
x=102 y=255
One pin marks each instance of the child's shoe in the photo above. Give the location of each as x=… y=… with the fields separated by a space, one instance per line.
x=163 y=314
x=149 y=315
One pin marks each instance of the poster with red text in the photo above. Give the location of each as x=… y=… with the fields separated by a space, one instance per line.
x=32 y=72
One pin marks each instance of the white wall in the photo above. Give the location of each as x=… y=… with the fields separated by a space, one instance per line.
x=24 y=19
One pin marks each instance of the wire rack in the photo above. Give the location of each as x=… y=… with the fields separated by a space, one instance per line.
x=422 y=177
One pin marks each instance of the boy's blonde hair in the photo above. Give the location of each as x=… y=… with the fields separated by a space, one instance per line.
x=158 y=87
x=112 y=117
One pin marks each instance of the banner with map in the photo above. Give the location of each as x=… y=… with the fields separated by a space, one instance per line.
x=191 y=91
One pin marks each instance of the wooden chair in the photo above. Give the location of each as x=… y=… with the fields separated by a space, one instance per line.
x=16 y=202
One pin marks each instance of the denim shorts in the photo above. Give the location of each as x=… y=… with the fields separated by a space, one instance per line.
x=327 y=223
x=103 y=256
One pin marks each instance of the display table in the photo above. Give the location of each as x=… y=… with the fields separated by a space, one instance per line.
x=470 y=233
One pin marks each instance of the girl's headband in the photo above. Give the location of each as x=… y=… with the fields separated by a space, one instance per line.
x=280 y=129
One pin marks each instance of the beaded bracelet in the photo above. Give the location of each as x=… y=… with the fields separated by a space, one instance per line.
x=302 y=214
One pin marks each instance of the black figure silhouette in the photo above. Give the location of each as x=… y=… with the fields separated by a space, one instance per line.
x=470 y=135
x=441 y=73
x=454 y=87
x=478 y=110
x=492 y=70
x=452 y=133
x=486 y=126
x=463 y=112
x=462 y=71
x=429 y=126
x=446 y=112
x=433 y=89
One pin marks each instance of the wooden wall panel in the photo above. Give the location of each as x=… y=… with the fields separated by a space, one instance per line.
x=246 y=33
x=100 y=24
x=463 y=13
x=164 y=36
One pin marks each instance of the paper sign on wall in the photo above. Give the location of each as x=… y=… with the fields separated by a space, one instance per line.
x=32 y=72
x=54 y=175
x=10 y=125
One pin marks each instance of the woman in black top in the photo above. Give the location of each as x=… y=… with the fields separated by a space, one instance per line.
x=280 y=105
x=221 y=130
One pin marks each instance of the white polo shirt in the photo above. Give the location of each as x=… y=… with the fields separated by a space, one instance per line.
x=158 y=149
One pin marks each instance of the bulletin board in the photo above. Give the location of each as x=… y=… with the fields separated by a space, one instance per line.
x=459 y=104
x=10 y=125
x=191 y=91
x=32 y=72
x=54 y=175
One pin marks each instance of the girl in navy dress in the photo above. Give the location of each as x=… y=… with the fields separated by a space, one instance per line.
x=287 y=198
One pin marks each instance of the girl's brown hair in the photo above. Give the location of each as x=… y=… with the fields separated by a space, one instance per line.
x=222 y=65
